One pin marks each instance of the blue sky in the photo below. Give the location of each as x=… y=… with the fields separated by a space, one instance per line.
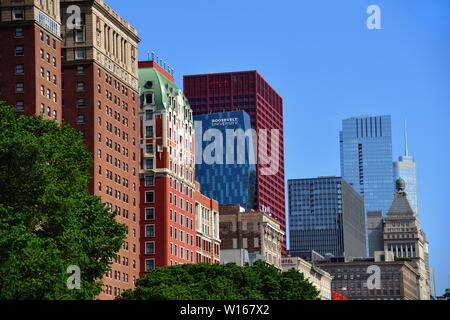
x=319 y=55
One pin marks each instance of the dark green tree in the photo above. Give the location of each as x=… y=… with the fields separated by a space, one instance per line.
x=259 y=281
x=48 y=219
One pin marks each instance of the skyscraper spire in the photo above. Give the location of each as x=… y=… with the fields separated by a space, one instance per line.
x=406 y=141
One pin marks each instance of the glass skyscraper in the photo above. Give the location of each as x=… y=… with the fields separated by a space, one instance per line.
x=326 y=215
x=405 y=168
x=228 y=182
x=366 y=159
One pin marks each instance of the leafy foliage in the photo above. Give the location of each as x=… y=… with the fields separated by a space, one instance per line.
x=222 y=282
x=48 y=219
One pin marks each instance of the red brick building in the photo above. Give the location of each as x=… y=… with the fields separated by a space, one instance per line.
x=100 y=90
x=30 y=57
x=167 y=171
x=207 y=227
x=210 y=93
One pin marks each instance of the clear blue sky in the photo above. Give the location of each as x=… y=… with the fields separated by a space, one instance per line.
x=319 y=55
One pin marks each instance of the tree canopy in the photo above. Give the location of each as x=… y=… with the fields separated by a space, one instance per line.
x=48 y=219
x=222 y=282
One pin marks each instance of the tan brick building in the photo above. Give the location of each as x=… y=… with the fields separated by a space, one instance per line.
x=256 y=232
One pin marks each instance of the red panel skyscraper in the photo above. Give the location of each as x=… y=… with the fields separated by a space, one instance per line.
x=248 y=91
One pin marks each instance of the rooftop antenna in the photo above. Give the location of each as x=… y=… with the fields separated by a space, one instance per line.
x=153 y=56
x=406 y=141
x=148 y=55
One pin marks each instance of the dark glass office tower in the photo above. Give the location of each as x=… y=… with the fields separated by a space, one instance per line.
x=233 y=181
x=326 y=215
x=366 y=159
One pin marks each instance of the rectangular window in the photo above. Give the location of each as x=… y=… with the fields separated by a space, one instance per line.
x=19 y=87
x=17 y=14
x=80 y=70
x=235 y=245
x=149 y=131
x=149 y=148
x=80 y=103
x=20 y=106
x=149 y=197
x=150 y=230
x=149 y=213
x=80 y=86
x=79 y=36
x=149 y=164
x=149 y=181
x=19 y=50
x=149 y=265
x=149 y=115
x=79 y=54
x=149 y=98
x=80 y=119
x=150 y=247
x=19 y=33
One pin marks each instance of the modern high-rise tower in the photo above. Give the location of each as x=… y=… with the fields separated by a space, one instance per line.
x=405 y=168
x=326 y=215
x=366 y=159
x=248 y=91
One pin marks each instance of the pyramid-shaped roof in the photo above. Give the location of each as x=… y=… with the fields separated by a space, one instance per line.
x=400 y=206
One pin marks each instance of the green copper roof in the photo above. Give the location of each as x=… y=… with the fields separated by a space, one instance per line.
x=162 y=87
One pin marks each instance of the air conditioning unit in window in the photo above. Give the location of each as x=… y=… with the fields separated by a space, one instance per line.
x=160 y=148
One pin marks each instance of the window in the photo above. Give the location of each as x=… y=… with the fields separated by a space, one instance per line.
x=149 y=213
x=54 y=61
x=19 y=50
x=149 y=265
x=48 y=57
x=41 y=53
x=19 y=33
x=79 y=36
x=256 y=243
x=149 y=163
x=235 y=243
x=80 y=103
x=19 y=87
x=149 y=181
x=17 y=14
x=150 y=247
x=149 y=98
x=149 y=115
x=149 y=197
x=42 y=72
x=80 y=86
x=42 y=108
x=150 y=230
x=80 y=70
x=19 y=106
x=149 y=148
x=20 y=68
x=54 y=79
x=49 y=111
x=79 y=54
x=80 y=119
x=55 y=115
x=149 y=131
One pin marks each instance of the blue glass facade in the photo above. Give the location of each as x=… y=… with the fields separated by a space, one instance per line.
x=228 y=182
x=366 y=159
x=405 y=168
x=326 y=215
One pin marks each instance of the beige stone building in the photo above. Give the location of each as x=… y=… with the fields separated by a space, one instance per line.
x=318 y=277
x=404 y=238
x=398 y=279
x=256 y=232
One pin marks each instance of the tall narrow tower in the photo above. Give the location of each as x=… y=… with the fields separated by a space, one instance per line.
x=405 y=168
